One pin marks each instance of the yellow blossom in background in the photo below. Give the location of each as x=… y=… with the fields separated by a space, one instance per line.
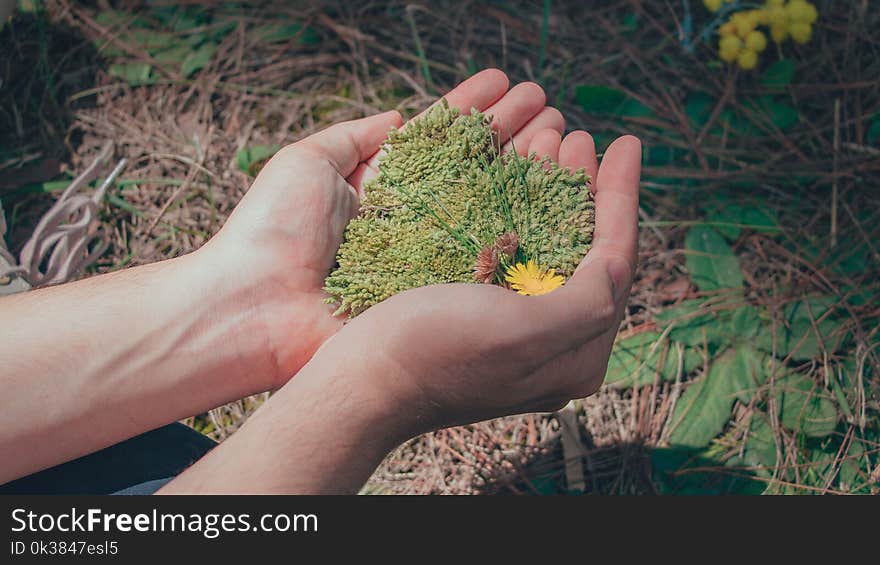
x=779 y=33
x=800 y=33
x=801 y=11
x=741 y=39
x=756 y=41
x=743 y=23
x=712 y=5
x=532 y=279
x=747 y=60
x=729 y=48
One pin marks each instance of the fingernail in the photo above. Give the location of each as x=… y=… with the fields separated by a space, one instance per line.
x=619 y=273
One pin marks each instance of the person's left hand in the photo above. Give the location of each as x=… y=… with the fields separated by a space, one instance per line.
x=281 y=241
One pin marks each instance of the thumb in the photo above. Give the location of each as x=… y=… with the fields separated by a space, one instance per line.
x=347 y=144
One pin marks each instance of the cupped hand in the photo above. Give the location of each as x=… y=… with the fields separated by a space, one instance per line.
x=281 y=241
x=460 y=353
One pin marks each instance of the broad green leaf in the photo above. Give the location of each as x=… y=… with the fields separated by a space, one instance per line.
x=804 y=407
x=769 y=109
x=277 y=32
x=749 y=372
x=698 y=109
x=739 y=217
x=251 y=159
x=745 y=322
x=600 y=99
x=697 y=472
x=692 y=324
x=778 y=75
x=198 y=59
x=760 y=449
x=637 y=360
x=704 y=409
x=710 y=260
x=134 y=74
x=175 y=54
x=796 y=334
x=873 y=136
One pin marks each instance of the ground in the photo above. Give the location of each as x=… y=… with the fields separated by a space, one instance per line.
x=758 y=205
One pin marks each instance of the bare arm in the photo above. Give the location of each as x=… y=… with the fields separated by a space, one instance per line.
x=88 y=364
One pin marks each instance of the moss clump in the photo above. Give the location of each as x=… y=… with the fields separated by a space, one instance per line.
x=441 y=197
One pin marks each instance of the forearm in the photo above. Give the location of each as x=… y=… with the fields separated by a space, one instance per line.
x=322 y=433
x=88 y=364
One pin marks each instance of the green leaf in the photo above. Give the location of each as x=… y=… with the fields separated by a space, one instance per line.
x=198 y=59
x=277 y=32
x=803 y=407
x=698 y=108
x=251 y=159
x=778 y=75
x=640 y=359
x=797 y=336
x=769 y=109
x=873 y=136
x=600 y=99
x=703 y=410
x=739 y=216
x=745 y=322
x=760 y=450
x=134 y=74
x=696 y=323
x=710 y=260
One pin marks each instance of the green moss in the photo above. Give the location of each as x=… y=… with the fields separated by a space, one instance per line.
x=440 y=196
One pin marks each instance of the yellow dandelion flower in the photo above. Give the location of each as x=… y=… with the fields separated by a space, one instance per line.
x=532 y=279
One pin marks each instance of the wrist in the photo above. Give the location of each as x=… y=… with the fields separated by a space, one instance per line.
x=283 y=316
x=324 y=432
x=222 y=328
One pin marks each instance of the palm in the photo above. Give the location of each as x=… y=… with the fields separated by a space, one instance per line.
x=289 y=226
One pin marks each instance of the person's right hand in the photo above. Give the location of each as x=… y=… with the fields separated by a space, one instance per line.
x=459 y=353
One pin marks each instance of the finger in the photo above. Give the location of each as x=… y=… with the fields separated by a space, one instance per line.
x=363 y=173
x=590 y=302
x=548 y=118
x=578 y=151
x=617 y=200
x=546 y=143
x=516 y=109
x=479 y=91
x=347 y=144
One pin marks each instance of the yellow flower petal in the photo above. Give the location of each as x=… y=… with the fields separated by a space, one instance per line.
x=532 y=279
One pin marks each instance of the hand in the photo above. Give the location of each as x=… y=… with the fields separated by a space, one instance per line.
x=438 y=356
x=454 y=354
x=280 y=243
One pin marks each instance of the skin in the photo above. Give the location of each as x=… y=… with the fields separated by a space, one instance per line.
x=245 y=313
